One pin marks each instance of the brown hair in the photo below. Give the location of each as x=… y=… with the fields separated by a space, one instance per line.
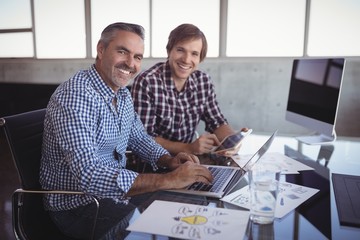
x=185 y=32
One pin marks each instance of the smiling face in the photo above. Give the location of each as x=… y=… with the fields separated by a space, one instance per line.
x=121 y=60
x=184 y=59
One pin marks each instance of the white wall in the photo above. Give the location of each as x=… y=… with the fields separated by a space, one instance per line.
x=252 y=92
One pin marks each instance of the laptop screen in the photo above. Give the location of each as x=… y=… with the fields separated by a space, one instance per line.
x=259 y=153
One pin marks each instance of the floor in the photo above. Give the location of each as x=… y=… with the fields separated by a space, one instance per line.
x=9 y=182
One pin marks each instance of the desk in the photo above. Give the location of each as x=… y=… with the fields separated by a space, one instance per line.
x=317 y=218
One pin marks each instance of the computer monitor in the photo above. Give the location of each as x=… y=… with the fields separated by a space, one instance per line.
x=314 y=97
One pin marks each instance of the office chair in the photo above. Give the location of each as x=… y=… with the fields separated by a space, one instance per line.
x=30 y=220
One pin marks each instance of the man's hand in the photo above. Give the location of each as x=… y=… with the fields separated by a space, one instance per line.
x=229 y=153
x=187 y=174
x=174 y=162
x=204 y=144
x=186 y=171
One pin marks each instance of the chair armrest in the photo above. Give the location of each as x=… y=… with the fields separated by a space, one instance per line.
x=15 y=201
x=20 y=190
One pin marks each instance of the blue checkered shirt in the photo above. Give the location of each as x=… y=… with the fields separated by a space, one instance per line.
x=171 y=114
x=85 y=139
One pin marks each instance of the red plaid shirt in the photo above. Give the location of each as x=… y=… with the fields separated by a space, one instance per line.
x=175 y=115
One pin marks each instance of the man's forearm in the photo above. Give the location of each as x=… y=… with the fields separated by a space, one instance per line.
x=173 y=147
x=223 y=131
x=149 y=183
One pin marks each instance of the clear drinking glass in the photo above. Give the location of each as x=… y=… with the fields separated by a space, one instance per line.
x=264 y=185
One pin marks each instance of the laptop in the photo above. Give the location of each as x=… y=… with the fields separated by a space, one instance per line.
x=225 y=177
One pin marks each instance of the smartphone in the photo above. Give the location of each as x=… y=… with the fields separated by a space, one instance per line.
x=231 y=142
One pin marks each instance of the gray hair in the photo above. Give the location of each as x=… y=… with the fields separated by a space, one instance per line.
x=109 y=32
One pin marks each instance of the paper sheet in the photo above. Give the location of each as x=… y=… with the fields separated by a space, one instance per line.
x=288 y=165
x=189 y=221
x=290 y=196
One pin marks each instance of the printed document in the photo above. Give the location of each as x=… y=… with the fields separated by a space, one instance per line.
x=290 y=196
x=190 y=221
x=288 y=165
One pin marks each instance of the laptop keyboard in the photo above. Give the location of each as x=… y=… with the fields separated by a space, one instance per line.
x=220 y=175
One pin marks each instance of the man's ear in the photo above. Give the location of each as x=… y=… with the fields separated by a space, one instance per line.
x=100 y=49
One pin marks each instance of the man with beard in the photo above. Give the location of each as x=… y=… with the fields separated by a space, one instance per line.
x=90 y=122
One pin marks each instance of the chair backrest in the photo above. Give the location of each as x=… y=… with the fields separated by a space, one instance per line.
x=24 y=133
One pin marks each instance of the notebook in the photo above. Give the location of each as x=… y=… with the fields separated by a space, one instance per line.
x=347 y=196
x=225 y=177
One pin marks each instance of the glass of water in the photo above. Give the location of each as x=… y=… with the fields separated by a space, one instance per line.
x=264 y=185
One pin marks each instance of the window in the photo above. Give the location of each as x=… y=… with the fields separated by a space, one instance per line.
x=16 y=38
x=105 y=12
x=249 y=28
x=15 y=14
x=167 y=15
x=60 y=28
x=21 y=45
x=264 y=28
x=335 y=29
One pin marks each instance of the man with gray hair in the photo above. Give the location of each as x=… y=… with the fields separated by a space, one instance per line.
x=90 y=122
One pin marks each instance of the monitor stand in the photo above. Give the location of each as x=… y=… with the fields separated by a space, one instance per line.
x=317 y=139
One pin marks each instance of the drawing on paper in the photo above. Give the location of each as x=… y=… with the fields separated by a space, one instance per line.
x=196 y=223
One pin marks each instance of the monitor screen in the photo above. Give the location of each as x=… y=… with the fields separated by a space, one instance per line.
x=314 y=94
